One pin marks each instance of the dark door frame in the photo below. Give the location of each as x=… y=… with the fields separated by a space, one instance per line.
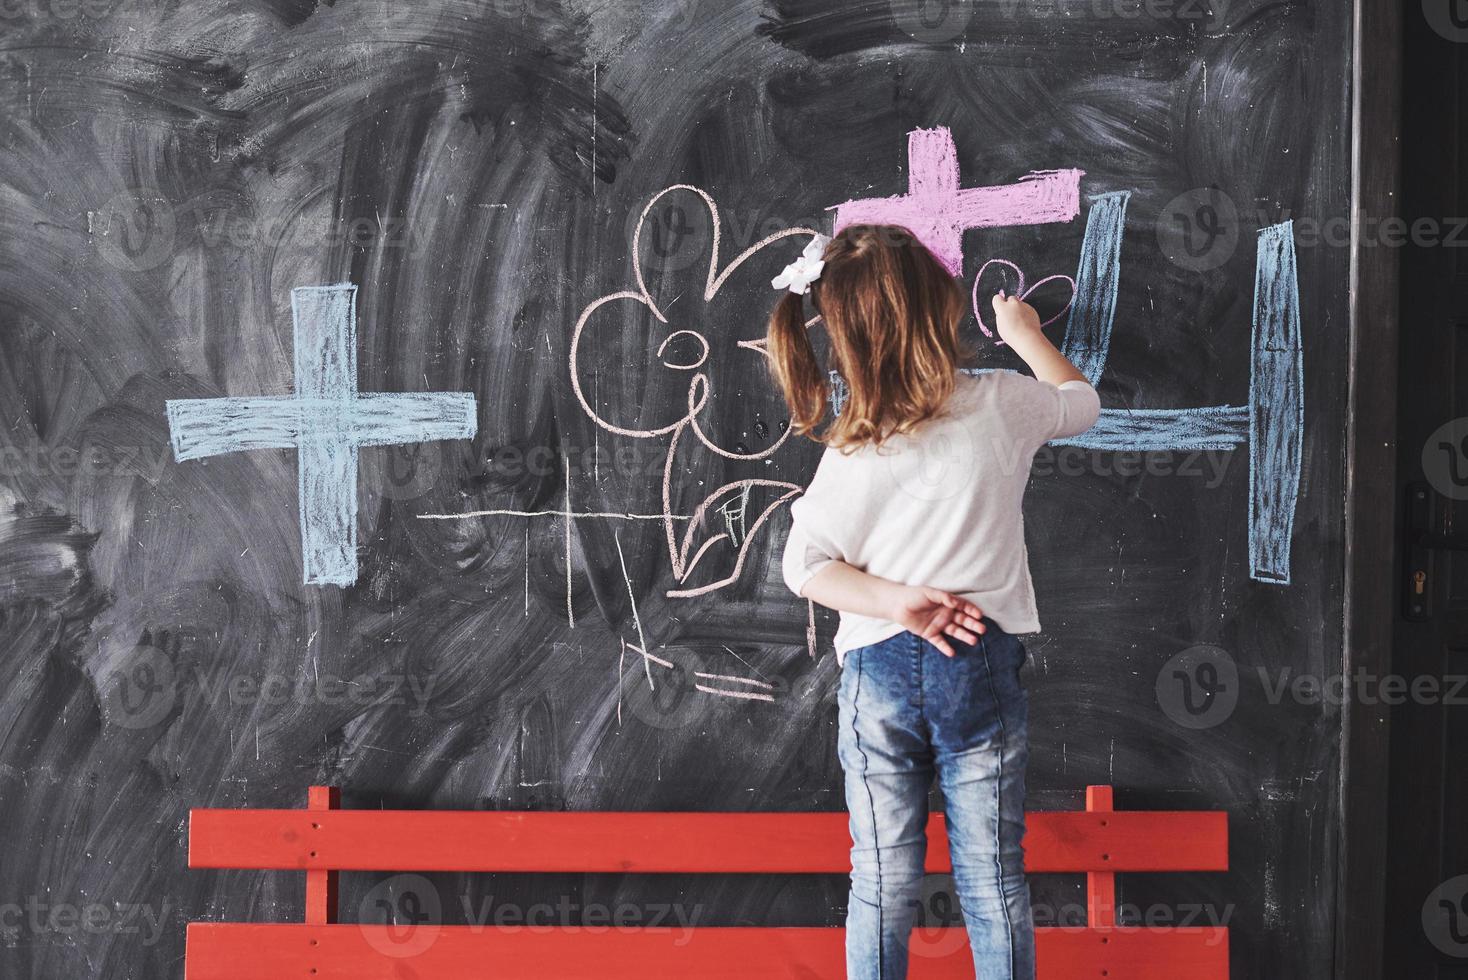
x=1370 y=486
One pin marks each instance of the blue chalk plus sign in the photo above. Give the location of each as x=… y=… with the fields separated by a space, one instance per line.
x=326 y=421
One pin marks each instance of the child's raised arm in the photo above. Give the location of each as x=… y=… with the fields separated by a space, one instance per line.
x=1072 y=398
x=1019 y=327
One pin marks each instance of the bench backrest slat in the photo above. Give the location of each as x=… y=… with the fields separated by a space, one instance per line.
x=242 y=951
x=324 y=841
x=478 y=841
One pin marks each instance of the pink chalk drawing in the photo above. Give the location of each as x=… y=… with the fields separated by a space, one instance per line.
x=681 y=546
x=938 y=210
x=1019 y=291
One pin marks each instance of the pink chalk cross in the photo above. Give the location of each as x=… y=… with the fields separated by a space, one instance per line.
x=938 y=211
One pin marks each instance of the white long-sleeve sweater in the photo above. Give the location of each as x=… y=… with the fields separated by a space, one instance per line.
x=940 y=507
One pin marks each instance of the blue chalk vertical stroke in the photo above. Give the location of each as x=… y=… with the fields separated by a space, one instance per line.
x=1088 y=331
x=1276 y=405
x=326 y=422
x=1272 y=424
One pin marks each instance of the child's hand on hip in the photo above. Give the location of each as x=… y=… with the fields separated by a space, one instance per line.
x=934 y=615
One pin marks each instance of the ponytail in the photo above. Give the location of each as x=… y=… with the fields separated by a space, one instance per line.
x=891 y=313
x=793 y=362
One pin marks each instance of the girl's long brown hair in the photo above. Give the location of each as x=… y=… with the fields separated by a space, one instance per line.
x=891 y=312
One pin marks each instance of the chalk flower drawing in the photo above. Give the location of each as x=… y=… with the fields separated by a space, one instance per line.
x=681 y=547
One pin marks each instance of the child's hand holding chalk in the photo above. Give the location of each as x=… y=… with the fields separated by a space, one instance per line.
x=1014 y=319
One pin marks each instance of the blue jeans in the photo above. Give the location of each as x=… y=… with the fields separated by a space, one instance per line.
x=906 y=709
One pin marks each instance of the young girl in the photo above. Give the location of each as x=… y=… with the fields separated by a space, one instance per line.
x=912 y=529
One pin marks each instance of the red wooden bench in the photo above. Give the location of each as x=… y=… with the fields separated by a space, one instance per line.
x=324 y=840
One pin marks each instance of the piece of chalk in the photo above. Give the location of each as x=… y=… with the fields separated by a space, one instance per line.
x=1001 y=293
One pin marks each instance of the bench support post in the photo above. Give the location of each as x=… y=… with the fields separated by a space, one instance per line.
x=1100 y=885
x=321 y=885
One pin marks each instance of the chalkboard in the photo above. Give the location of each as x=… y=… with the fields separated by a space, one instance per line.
x=383 y=407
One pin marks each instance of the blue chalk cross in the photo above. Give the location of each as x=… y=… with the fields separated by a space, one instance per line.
x=326 y=421
x=1272 y=425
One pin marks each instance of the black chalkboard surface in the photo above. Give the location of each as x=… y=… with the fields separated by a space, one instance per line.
x=383 y=407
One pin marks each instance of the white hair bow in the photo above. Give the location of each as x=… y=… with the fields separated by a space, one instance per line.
x=798 y=275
